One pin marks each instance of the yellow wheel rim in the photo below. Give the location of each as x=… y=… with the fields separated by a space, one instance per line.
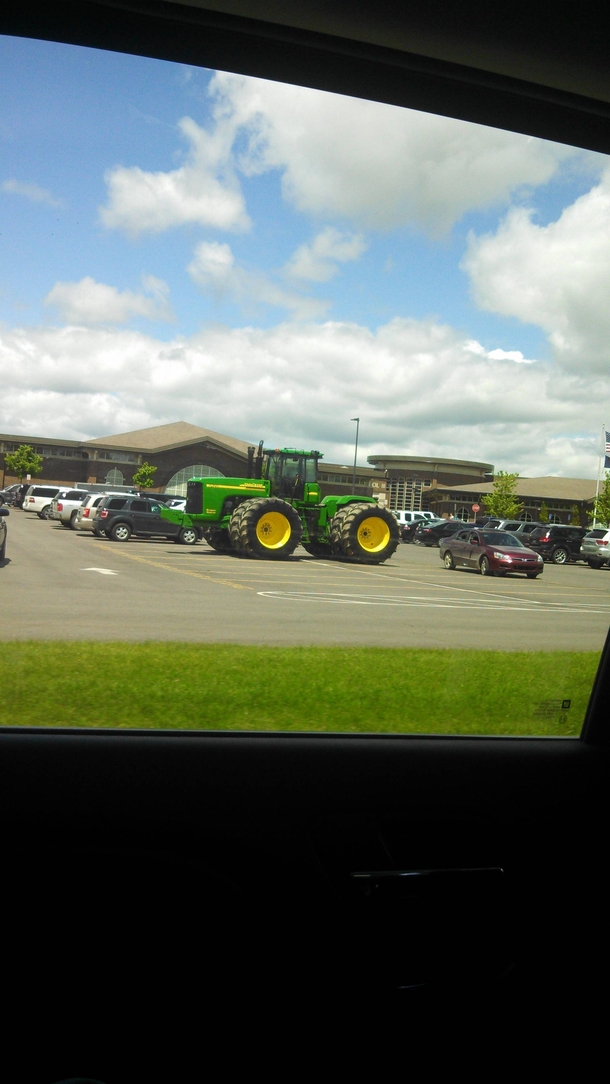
x=373 y=534
x=273 y=530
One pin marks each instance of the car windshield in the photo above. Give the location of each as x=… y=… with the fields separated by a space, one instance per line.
x=200 y=264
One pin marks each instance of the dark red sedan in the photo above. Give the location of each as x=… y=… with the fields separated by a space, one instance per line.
x=492 y=553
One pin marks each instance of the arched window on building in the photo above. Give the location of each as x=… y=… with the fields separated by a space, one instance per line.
x=177 y=484
x=463 y=513
x=526 y=517
x=115 y=477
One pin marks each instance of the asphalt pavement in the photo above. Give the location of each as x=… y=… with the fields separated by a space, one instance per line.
x=62 y=584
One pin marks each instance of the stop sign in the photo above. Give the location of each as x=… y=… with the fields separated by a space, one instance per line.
x=476 y=508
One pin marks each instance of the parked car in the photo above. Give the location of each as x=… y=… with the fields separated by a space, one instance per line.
x=4 y=512
x=557 y=542
x=492 y=553
x=595 y=547
x=8 y=494
x=407 y=530
x=503 y=524
x=120 y=517
x=86 y=513
x=38 y=499
x=405 y=518
x=432 y=534
x=65 y=505
x=20 y=495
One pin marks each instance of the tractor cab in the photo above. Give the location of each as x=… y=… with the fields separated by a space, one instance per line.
x=293 y=474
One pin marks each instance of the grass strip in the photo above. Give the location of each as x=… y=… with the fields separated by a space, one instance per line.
x=175 y=686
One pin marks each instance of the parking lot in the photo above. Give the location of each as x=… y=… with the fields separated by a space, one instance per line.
x=61 y=584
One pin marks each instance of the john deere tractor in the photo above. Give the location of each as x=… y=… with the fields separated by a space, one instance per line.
x=279 y=505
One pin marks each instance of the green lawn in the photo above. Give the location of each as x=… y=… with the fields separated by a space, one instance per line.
x=224 y=686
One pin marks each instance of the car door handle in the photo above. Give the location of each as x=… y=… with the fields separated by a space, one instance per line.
x=419 y=884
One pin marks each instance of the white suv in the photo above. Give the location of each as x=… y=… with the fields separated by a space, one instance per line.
x=38 y=499
x=407 y=518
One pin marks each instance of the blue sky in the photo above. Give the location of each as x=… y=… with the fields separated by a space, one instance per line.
x=269 y=261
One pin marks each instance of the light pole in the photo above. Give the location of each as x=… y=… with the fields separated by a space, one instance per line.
x=357 y=421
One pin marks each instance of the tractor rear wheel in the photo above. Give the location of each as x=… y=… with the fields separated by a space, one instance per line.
x=266 y=527
x=365 y=533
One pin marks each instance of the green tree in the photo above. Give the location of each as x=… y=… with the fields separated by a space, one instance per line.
x=502 y=501
x=575 y=516
x=144 y=477
x=602 y=504
x=24 y=461
x=544 y=512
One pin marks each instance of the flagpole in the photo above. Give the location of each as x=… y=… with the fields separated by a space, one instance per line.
x=599 y=470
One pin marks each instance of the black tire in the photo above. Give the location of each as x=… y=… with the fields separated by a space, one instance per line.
x=364 y=533
x=485 y=567
x=560 y=556
x=235 y=525
x=318 y=549
x=218 y=539
x=532 y=575
x=3 y=553
x=266 y=528
x=595 y=564
x=188 y=536
x=121 y=532
x=448 y=560
x=45 y=512
x=72 y=523
x=98 y=533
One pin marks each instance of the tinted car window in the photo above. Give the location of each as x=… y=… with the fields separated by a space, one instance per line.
x=501 y=538
x=116 y=502
x=138 y=506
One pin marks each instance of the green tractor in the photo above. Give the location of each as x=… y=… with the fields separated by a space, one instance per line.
x=279 y=506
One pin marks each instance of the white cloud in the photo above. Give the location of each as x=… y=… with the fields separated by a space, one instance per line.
x=371 y=164
x=418 y=387
x=203 y=190
x=213 y=268
x=374 y=164
x=556 y=276
x=91 y=302
x=33 y=192
x=317 y=262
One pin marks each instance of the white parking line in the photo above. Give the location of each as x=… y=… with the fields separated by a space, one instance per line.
x=347 y=599
x=102 y=571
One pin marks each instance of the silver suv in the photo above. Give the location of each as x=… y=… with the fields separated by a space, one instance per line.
x=595 y=547
x=86 y=513
x=65 y=506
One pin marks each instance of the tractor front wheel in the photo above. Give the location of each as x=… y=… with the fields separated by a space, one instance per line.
x=267 y=528
x=365 y=533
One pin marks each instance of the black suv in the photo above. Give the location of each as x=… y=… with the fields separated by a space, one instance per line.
x=120 y=517
x=432 y=534
x=557 y=543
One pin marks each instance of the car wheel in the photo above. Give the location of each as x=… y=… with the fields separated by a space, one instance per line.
x=560 y=556
x=595 y=564
x=485 y=567
x=532 y=575
x=72 y=524
x=3 y=553
x=45 y=512
x=121 y=532
x=449 y=562
x=188 y=536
